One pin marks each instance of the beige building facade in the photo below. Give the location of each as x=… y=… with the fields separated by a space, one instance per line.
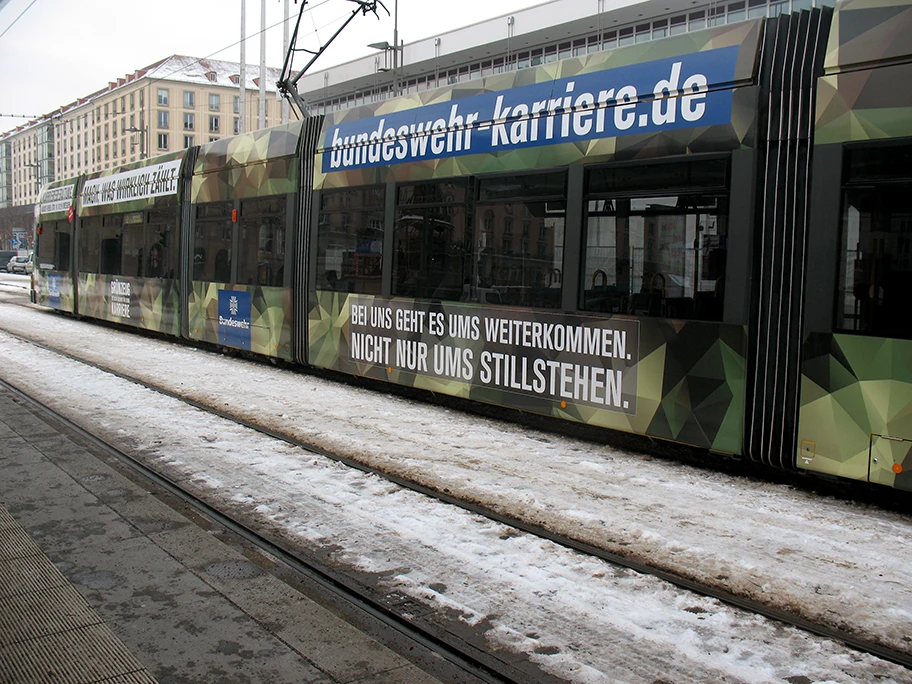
x=171 y=105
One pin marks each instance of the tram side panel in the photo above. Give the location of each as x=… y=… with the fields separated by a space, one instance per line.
x=52 y=276
x=244 y=197
x=855 y=418
x=128 y=245
x=569 y=263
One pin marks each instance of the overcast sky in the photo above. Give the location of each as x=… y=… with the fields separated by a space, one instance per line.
x=53 y=52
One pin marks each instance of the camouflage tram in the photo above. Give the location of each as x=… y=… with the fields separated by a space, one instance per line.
x=704 y=239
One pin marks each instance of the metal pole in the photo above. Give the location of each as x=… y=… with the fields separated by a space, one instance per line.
x=242 y=99
x=285 y=105
x=395 y=47
x=262 y=121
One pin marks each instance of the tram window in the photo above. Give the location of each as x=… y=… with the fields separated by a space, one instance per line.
x=519 y=241
x=132 y=245
x=54 y=245
x=656 y=254
x=430 y=240
x=89 y=239
x=111 y=245
x=875 y=267
x=212 y=237
x=350 y=239
x=160 y=257
x=261 y=246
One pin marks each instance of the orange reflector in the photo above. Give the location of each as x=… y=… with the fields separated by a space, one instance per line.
x=389 y=369
x=234 y=215
x=563 y=404
x=897 y=468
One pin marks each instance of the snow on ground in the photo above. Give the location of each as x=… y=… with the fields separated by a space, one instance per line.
x=582 y=619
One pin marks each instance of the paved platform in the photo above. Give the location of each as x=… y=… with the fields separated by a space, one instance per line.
x=101 y=580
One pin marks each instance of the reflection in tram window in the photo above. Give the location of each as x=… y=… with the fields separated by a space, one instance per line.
x=350 y=240
x=111 y=245
x=212 y=237
x=656 y=239
x=429 y=240
x=54 y=245
x=876 y=265
x=519 y=241
x=261 y=243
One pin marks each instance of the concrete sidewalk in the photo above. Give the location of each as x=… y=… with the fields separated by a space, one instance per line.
x=100 y=580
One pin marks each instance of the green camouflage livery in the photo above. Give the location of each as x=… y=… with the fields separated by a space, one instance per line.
x=147 y=303
x=675 y=380
x=858 y=102
x=270 y=317
x=53 y=287
x=681 y=380
x=739 y=131
x=856 y=412
x=855 y=418
x=258 y=164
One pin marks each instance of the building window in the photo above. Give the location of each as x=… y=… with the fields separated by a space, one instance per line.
x=214 y=125
x=163 y=141
x=132 y=102
x=189 y=99
x=215 y=102
x=162 y=119
x=189 y=121
x=162 y=97
x=235 y=78
x=211 y=139
x=237 y=125
x=237 y=104
x=188 y=141
x=212 y=76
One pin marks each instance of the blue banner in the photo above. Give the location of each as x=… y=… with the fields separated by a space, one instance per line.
x=234 y=319
x=666 y=94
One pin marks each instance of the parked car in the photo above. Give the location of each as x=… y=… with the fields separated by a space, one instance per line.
x=20 y=264
x=6 y=255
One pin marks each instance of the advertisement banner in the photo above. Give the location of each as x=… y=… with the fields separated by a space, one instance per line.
x=679 y=92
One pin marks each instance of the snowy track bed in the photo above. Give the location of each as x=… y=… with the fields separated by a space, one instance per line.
x=577 y=617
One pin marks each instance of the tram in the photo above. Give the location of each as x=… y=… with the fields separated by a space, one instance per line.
x=703 y=239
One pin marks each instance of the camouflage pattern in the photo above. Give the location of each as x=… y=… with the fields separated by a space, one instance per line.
x=147 y=303
x=739 y=132
x=685 y=380
x=53 y=288
x=855 y=418
x=270 y=324
x=856 y=413
x=257 y=164
x=857 y=102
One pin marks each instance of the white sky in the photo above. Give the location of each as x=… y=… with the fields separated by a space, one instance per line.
x=60 y=50
x=579 y=618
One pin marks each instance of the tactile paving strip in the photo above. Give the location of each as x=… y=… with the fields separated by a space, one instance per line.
x=48 y=633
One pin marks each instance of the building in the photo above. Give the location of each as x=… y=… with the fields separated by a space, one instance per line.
x=172 y=104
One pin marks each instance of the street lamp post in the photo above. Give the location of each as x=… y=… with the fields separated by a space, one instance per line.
x=142 y=139
x=395 y=48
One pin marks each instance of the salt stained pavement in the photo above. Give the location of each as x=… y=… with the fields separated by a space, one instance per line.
x=581 y=619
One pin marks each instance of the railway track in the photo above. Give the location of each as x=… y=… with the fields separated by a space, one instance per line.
x=401 y=612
